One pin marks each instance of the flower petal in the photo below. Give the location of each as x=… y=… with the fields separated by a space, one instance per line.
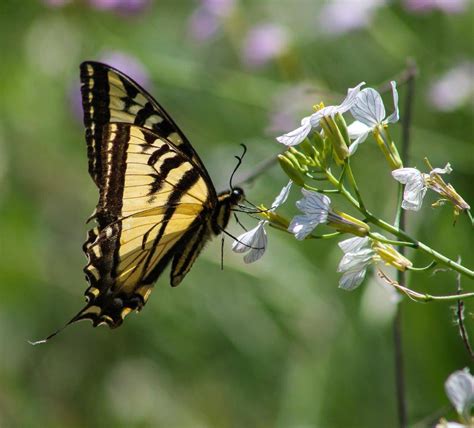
x=296 y=136
x=354 y=266
x=460 y=391
x=314 y=203
x=282 y=197
x=415 y=188
x=356 y=129
x=247 y=240
x=446 y=170
x=346 y=104
x=369 y=108
x=404 y=175
x=349 y=101
x=353 y=245
x=352 y=279
x=259 y=246
x=395 y=116
x=355 y=260
x=302 y=225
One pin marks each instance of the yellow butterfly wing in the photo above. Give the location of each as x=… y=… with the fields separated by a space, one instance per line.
x=108 y=96
x=155 y=204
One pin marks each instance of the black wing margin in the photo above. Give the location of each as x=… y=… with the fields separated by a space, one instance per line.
x=108 y=95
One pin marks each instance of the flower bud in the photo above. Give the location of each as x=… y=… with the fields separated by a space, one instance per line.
x=336 y=137
x=391 y=256
x=388 y=147
x=347 y=224
x=291 y=169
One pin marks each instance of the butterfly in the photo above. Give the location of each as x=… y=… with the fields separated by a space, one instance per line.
x=157 y=204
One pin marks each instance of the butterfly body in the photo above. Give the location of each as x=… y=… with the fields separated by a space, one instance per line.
x=157 y=204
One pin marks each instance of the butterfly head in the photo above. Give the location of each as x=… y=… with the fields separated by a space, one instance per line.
x=236 y=196
x=226 y=201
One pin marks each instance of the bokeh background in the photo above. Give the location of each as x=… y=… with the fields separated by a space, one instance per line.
x=273 y=344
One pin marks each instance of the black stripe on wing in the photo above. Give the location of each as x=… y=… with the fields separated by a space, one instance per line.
x=110 y=96
x=137 y=236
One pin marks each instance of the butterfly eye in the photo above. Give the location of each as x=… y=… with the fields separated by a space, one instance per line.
x=237 y=195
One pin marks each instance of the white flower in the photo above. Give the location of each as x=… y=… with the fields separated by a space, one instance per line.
x=358 y=255
x=369 y=113
x=316 y=211
x=416 y=183
x=254 y=242
x=307 y=123
x=460 y=390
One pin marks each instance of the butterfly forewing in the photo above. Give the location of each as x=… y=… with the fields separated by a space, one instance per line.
x=152 y=198
x=110 y=96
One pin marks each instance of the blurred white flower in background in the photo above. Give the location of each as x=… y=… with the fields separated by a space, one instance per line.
x=453 y=89
x=342 y=16
x=448 y=6
x=263 y=43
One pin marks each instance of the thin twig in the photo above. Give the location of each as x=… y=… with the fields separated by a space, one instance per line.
x=409 y=74
x=422 y=297
x=258 y=170
x=460 y=317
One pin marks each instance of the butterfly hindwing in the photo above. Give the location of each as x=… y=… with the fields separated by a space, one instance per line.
x=154 y=205
x=108 y=95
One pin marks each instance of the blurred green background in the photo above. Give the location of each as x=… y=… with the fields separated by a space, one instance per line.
x=273 y=344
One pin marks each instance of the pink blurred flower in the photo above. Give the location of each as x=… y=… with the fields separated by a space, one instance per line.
x=120 y=6
x=289 y=105
x=454 y=89
x=56 y=3
x=207 y=18
x=263 y=43
x=342 y=16
x=448 y=6
x=122 y=62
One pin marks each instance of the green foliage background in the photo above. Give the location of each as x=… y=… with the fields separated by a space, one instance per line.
x=270 y=344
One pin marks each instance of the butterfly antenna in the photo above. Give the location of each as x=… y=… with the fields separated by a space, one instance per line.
x=239 y=162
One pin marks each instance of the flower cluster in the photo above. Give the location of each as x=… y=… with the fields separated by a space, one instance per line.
x=324 y=138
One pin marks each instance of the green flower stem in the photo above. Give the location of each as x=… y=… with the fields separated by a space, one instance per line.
x=446 y=261
x=440 y=258
x=423 y=269
x=352 y=181
x=399 y=204
x=391 y=241
x=324 y=191
x=325 y=236
x=468 y=212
